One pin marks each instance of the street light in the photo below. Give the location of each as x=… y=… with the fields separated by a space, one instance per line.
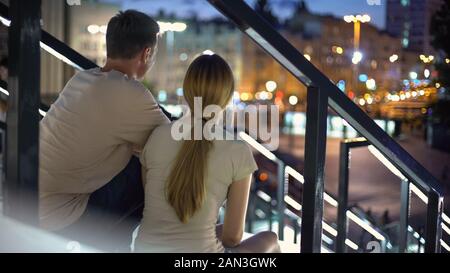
x=413 y=75
x=271 y=86
x=293 y=100
x=357 y=55
x=169 y=26
x=357 y=20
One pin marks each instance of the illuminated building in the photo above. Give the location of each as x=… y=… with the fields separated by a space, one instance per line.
x=410 y=20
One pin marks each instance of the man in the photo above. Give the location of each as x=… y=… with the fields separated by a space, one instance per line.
x=90 y=184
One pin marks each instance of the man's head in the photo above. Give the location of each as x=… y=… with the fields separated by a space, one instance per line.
x=132 y=36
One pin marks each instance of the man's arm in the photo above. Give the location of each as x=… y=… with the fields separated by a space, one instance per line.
x=140 y=115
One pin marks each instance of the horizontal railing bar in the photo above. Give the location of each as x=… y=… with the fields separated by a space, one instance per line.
x=54 y=46
x=332 y=231
x=299 y=177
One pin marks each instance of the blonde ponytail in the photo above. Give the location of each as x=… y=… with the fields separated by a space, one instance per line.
x=210 y=78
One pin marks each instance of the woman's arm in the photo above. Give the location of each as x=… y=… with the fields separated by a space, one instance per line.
x=234 y=222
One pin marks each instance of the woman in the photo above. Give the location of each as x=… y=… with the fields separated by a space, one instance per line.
x=187 y=181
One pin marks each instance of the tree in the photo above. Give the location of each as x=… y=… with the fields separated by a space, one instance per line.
x=440 y=31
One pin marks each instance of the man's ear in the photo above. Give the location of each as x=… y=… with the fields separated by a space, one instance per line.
x=147 y=53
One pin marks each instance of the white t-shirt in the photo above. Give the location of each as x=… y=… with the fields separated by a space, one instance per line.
x=161 y=230
x=86 y=139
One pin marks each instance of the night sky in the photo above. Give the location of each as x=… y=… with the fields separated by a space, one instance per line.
x=282 y=8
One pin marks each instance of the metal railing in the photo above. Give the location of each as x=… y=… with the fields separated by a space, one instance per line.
x=321 y=94
x=406 y=189
x=283 y=172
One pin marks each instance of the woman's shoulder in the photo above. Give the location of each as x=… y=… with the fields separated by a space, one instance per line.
x=234 y=146
x=161 y=133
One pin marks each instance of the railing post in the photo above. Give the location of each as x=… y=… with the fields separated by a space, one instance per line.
x=342 y=222
x=315 y=145
x=281 y=192
x=295 y=226
x=21 y=188
x=433 y=226
x=405 y=194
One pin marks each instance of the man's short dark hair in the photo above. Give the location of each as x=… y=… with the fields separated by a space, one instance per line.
x=128 y=33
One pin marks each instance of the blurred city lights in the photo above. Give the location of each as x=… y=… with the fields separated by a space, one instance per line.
x=371 y=84
x=341 y=85
x=363 y=77
x=183 y=57
x=395 y=98
x=162 y=95
x=337 y=49
x=293 y=100
x=168 y=26
x=93 y=29
x=103 y=29
x=357 y=57
x=178 y=26
x=271 y=86
x=357 y=18
x=413 y=75
x=179 y=92
x=263 y=95
x=426 y=73
x=426 y=59
x=393 y=58
x=208 y=52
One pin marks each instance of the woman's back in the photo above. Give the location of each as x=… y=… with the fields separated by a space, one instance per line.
x=161 y=230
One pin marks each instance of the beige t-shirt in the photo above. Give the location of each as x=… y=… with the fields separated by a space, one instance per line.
x=86 y=139
x=161 y=230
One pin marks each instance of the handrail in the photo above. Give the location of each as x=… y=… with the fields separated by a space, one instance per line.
x=288 y=170
x=61 y=51
x=54 y=46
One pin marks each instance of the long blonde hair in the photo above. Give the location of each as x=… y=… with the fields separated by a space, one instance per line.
x=208 y=77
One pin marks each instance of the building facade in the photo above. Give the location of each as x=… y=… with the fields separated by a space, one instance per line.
x=177 y=49
x=410 y=20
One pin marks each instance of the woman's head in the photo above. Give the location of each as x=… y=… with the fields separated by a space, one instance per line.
x=210 y=78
